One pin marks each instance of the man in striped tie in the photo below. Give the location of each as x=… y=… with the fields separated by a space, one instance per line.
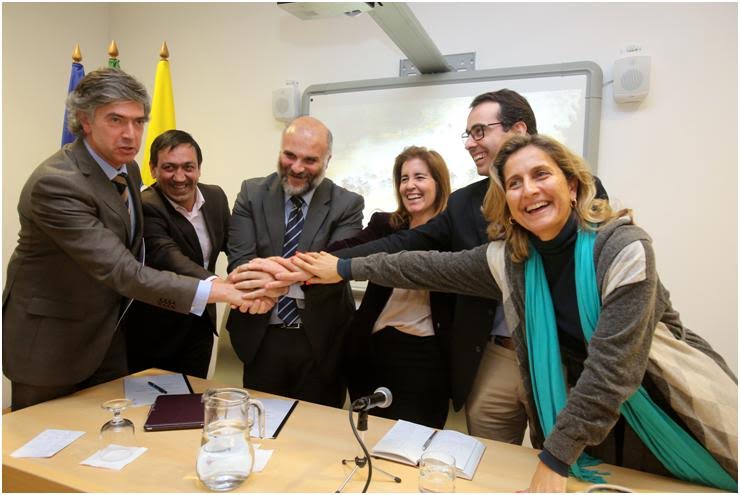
x=293 y=350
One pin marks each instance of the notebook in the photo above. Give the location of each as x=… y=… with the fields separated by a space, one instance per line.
x=406 y=442
x=175 y=412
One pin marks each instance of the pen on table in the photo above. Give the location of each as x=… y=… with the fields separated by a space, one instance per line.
x=156 y=387
x=429 y=440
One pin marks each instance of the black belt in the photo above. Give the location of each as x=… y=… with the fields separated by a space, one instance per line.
x=505 y=342
x=283 y=326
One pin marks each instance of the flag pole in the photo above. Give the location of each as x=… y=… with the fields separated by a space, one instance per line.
x=77 y=54
x=76 y=74
x=113 y=61
x=162 y=116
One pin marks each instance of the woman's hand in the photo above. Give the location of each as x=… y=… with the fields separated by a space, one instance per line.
x=546 y=480
x=322 y=265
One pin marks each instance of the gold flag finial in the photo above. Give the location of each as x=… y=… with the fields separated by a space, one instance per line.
x=77 y=54
x=164 y=52
x=113 y=49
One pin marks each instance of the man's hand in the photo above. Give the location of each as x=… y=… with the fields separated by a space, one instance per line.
x=256 y=274
x=322 y=265
x=283 y=270
x=255 y=301
x=259 y=306
x=224 y=291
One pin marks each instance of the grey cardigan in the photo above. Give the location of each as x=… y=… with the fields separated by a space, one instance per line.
x=638 y=332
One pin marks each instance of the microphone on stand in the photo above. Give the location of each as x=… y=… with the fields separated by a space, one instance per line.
x=381 y=398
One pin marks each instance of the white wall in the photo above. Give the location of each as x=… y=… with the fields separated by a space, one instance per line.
x=672 y=158
x=37 y=52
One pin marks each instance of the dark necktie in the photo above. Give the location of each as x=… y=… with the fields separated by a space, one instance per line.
x=122 y=186
x=287 y=307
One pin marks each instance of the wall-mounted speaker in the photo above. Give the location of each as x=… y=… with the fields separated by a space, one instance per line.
x=631 y=78
x=286 y=102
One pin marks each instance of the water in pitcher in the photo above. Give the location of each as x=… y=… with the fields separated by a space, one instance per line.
x=226 y=456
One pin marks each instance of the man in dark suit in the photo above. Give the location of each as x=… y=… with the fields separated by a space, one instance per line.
x=185 y=228
x=294 y=350
x=77 y=263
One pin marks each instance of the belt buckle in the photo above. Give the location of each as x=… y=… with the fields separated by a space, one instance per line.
x=293 y=326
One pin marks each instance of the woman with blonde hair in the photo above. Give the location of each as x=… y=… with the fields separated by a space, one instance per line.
x=611 y=371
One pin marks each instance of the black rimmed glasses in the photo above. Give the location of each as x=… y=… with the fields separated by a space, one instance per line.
x=478 y=131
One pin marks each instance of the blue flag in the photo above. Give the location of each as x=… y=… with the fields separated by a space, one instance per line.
x=78 y=72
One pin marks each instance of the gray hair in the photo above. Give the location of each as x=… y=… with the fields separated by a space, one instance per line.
x=99 y=88
x=329 y=140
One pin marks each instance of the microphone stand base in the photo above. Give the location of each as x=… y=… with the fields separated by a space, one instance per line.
x=359 y=463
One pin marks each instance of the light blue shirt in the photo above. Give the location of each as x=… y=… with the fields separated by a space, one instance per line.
x=204 y=286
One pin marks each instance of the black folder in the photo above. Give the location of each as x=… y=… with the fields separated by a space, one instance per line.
x=175 y=412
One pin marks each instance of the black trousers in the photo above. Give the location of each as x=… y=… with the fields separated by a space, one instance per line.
x=113 y=366
x=285 y=365
x=190 y=353
x=414 y=371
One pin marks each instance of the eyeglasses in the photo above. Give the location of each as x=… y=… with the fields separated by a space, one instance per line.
x=478 y=131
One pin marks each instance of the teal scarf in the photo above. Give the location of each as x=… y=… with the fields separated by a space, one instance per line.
x=678 y=451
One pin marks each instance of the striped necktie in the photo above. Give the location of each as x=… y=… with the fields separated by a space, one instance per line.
x=287 y=307
x=122 y=186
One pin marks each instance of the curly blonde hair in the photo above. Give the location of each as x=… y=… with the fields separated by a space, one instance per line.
x=592 y=213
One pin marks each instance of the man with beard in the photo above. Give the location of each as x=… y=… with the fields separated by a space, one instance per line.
x=294 y=349
x=185 y=227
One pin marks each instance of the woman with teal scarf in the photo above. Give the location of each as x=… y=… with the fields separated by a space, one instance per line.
x=609 y=368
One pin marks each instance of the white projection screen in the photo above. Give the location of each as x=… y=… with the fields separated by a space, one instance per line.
x=373 y=121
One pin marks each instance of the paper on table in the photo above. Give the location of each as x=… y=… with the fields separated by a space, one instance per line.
x=114 y=456
x=260 y=458
x=47 y=443
x=275 y=412
x=142 y=394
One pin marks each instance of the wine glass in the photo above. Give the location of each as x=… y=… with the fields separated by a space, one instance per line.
x=117 y=431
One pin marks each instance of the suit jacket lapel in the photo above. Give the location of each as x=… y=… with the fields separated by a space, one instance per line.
x=134 y=183
x=275 y=215
x=212 y=221
x=476 y=201
x=183 y=225
x=103 y=188
x=317 y=212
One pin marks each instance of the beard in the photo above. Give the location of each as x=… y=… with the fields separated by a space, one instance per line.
x=310 y=181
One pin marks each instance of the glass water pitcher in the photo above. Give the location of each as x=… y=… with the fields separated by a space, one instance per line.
x=226 y=455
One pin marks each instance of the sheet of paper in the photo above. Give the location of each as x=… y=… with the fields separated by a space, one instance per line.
x=47 y=443
x=275 y=412
x=261 y=457
x=114 y=456
x=138 y=389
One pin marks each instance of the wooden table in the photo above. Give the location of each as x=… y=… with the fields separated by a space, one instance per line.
x=307 y=455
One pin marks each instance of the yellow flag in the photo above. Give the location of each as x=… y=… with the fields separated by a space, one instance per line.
x=162 y=117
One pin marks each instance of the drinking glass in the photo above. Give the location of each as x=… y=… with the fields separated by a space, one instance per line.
x=117 y=431
x=436 y=473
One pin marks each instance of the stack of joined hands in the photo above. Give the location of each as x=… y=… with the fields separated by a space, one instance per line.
x=264 y=280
